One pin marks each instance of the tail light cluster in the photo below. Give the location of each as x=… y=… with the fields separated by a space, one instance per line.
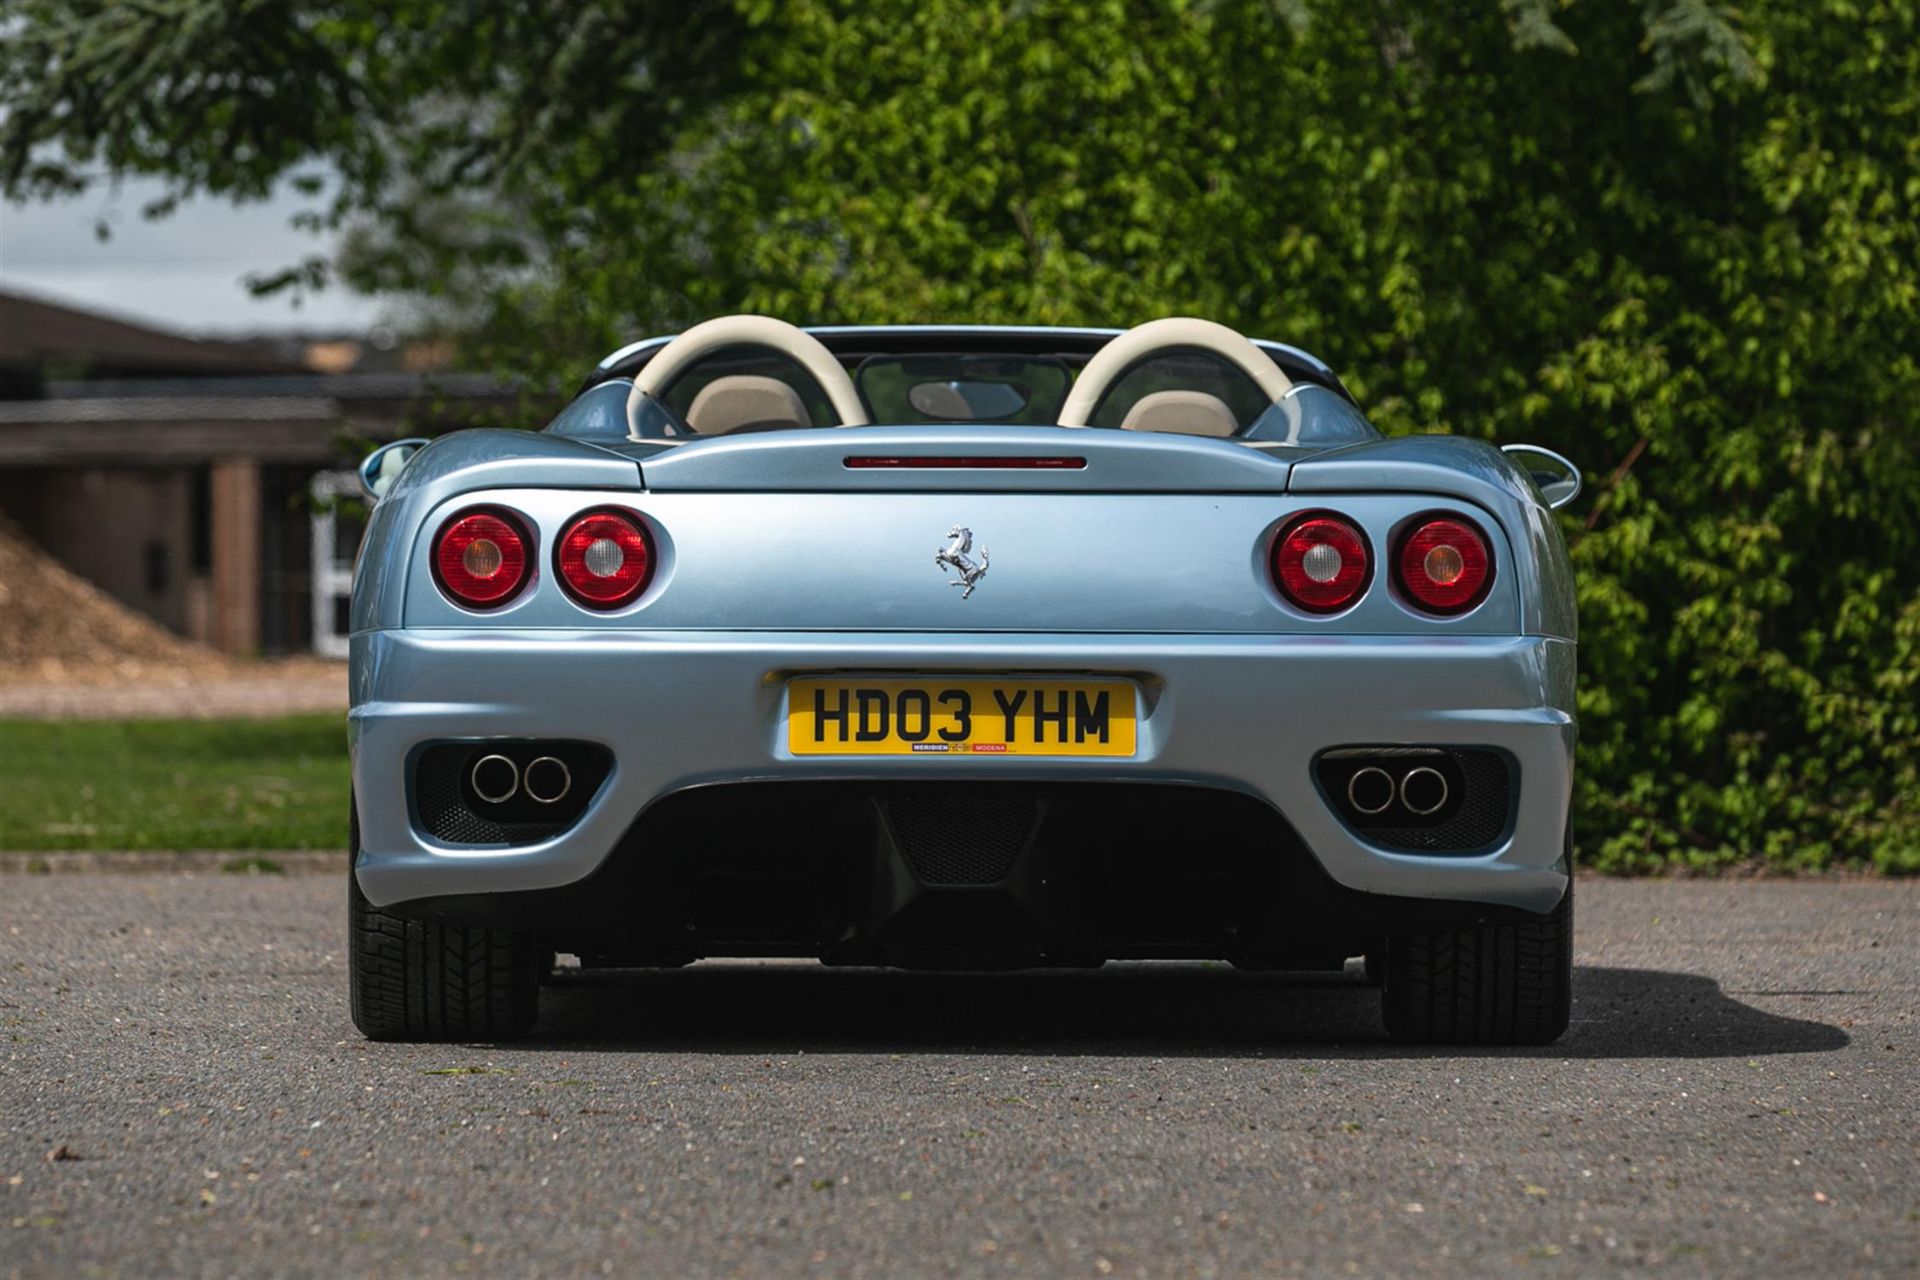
x=1442 y=564
x=605 y=558
x=1321 y=563
x=483 y=557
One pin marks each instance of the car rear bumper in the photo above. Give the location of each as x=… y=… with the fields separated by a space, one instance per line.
x=680 y=710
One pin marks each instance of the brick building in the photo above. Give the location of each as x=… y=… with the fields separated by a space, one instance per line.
x=180 y=475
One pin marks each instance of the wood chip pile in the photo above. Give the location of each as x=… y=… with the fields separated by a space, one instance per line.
x=56 y=626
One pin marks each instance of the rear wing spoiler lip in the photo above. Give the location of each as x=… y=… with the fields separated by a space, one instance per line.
x=1413 y=464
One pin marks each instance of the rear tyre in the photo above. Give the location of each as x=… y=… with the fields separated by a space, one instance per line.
x=1509 y=984
x=432 y=982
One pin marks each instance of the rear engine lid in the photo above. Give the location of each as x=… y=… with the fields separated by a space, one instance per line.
x=999 y=459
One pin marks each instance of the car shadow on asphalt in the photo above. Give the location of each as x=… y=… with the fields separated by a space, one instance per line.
x=1167 y=1010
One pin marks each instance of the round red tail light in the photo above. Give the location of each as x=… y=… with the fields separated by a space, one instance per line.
x=1445 y=565
x=605 y=558
x=481 y=557
x=1320 y=563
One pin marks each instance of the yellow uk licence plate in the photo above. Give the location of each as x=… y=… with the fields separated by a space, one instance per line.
x=977 y=718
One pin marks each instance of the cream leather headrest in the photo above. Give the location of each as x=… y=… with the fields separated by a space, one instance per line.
x=778 y=336
x=746 y=400
x=1183 y=413
x=1111 y=362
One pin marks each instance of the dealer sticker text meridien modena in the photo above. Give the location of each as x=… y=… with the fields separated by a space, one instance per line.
x=942 y=717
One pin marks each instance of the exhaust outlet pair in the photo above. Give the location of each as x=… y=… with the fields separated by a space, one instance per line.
x=497 y=779
x=1372 y=790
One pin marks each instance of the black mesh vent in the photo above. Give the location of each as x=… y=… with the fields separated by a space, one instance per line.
x=449 y=812
x=1477 y=814
x=957 y=838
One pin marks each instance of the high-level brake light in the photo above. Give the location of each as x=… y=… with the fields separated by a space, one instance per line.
x=967 y=462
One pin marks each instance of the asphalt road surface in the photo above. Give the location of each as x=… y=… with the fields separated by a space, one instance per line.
x=181 y=1093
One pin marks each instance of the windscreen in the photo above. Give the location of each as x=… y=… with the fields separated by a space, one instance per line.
x=903 y=390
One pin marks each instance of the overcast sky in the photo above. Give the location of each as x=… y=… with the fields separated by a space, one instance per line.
x=183 y=272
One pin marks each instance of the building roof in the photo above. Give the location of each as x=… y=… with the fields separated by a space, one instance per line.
x=45 y=339
x=84 y=389
x=160 y=409
x=290 y=418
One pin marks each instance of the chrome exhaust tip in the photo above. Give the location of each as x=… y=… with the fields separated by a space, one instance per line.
x=1423 y=790
x=494 y=778
x=1370 y=790
x=548 y=780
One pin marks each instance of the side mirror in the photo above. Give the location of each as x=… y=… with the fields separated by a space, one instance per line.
x=1557 y=479
x=379 y=469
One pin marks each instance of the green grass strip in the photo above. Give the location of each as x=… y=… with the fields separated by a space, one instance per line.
x=174 y=784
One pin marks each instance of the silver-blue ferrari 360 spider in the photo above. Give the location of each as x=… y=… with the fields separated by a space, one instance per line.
x=963 y=647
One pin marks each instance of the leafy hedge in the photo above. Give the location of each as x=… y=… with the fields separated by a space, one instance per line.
x=1674 y=242
x=1701 y=285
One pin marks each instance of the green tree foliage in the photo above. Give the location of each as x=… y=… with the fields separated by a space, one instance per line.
x=1675 y=241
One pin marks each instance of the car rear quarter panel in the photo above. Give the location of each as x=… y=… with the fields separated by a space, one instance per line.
x=460 y=463
x=1480 y=473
